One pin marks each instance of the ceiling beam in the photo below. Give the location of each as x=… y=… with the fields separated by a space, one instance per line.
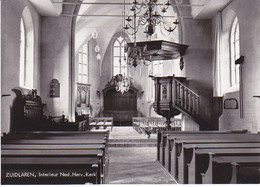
x=96 y=3
x=115 y=15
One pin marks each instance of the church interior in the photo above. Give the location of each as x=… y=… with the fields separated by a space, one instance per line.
x=130 y=91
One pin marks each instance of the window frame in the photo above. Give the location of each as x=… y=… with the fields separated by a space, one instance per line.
x=83 y=61
x=26 y=51
x=122 y=64
x=22 y=70
x=234 y=54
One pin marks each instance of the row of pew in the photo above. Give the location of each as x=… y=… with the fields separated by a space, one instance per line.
x=55 y=157
x=210 y=157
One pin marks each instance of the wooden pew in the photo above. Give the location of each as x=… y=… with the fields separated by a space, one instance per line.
x=201 y=138
x=56 y=144
x=169 y=145
x=56 y=147
x=227 y=169
x=56 y=133
x=58 y=138
x=93 y=153
x=63 y=132
x=162 y=139
x=185 y=155
x=46 y=170
x=55 y=137
x=202 y=159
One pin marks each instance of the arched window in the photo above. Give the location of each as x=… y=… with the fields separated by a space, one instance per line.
x=83 y=64
x=22 y=53
x=26 y=50
x=235 y=52
x=119 y=57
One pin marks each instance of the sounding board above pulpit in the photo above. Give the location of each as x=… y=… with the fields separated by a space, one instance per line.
x=121 y=106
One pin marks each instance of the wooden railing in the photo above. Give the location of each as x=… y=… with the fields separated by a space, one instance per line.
x=150 y=125
x=100 y=123
x=186 y=99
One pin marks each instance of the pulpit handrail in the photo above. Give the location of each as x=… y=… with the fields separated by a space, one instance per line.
x=187 y=99
x=187 y=88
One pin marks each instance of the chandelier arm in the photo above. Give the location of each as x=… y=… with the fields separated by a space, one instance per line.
x=135 y=27
x=143 y=4
x=160 y=5
x=164 y=34
x=139 y=10
x=133 y=33
x=170 y=29
x=131 y=27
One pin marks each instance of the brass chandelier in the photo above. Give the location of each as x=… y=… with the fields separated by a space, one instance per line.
x=148 y=16
x=146 y=13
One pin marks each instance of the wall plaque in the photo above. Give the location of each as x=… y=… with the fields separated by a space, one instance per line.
x=54 y=88
x=230 y=103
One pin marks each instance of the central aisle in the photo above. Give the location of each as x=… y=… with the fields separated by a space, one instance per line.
x=132 y=159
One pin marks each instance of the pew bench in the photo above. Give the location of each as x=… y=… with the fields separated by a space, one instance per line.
x=50 y=147
x=162 y=138
x=57 y=141
x=168 y=145
x=100 y=123
x=230 y=170
x=202 y=160
x=46 y=170
x=186 y=150
x=56 y=145
x=52 y=153
x=173 y=151
x=63 y=132
x=56 y=137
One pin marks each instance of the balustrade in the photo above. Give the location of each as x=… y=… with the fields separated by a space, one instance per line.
x=186 y=98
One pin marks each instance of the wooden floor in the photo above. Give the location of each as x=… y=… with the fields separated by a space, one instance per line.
x=134 y=164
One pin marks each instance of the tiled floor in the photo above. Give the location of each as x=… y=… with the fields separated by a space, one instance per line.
x=134 y=165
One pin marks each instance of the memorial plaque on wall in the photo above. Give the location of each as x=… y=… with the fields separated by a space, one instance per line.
x=54 y=88
x=230 y=103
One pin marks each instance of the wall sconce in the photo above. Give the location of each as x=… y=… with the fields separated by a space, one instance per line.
x=97 y=48
x=94 y=35
x=98 y=57
x=240 y=60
